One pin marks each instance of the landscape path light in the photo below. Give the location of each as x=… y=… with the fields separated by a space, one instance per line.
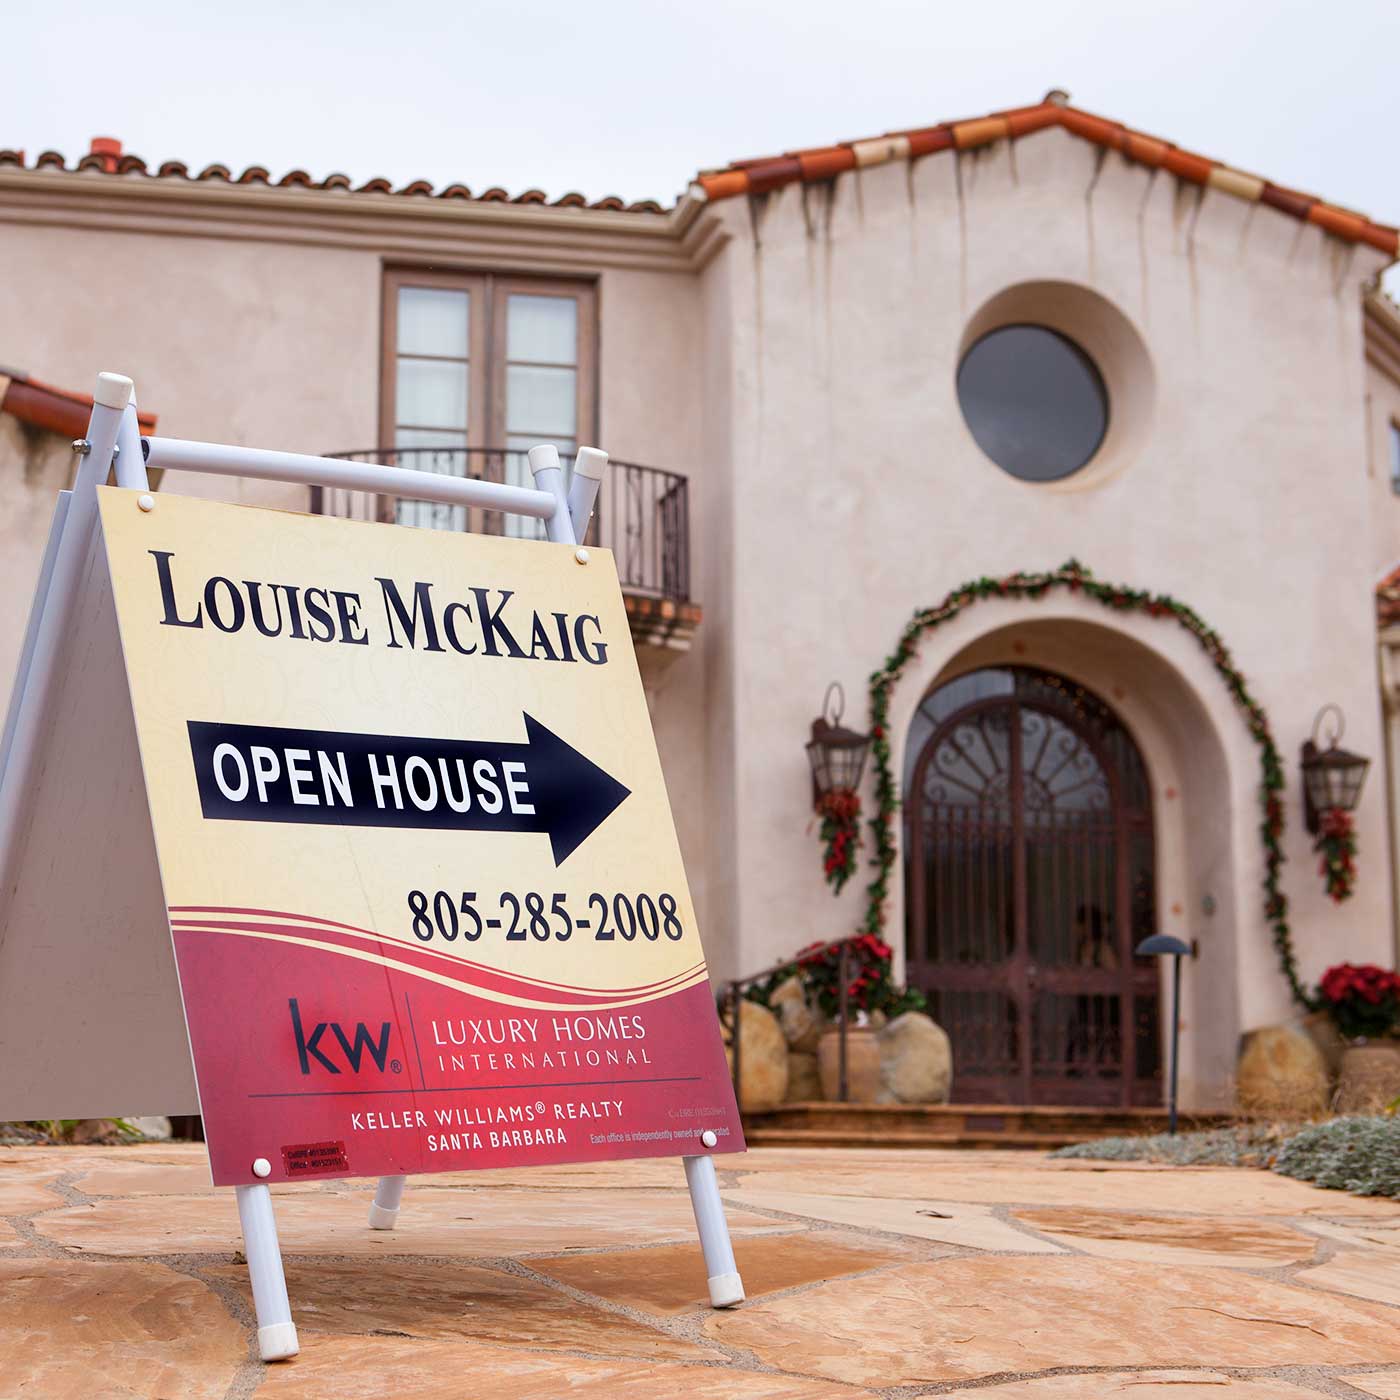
x=1166 y=946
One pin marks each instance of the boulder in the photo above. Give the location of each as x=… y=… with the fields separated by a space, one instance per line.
x=804 y=1082
x=916 y=1060
x=152 y=1129
x=763 y=1058
x=802 y=1023
x=1282 y=1073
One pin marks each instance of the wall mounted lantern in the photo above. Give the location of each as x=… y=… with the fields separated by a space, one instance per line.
x=837 y=754
x=1332 y=776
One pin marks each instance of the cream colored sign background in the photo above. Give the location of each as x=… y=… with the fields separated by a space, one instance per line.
x=361 y=875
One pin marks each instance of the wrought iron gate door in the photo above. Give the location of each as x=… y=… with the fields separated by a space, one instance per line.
x=1030 y=881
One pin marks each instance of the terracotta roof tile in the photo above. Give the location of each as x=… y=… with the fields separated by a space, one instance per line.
x=724 y=184
x=57 y=410
x=106 y=157
x=880 y=149
x=981 y=132
x=1146 y=150
x=929 y=140
x=765 y=175
x=1237 y=183
x=1097 y=129
x=1186 y=165
x=1290 y=201
x=1023 y=120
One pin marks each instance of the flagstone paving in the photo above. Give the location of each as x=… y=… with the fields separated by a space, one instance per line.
x=1000 y=1276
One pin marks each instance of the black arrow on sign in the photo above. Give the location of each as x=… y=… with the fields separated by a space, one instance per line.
x=323 y=777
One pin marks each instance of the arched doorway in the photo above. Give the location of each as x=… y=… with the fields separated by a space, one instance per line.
x=1028 y=829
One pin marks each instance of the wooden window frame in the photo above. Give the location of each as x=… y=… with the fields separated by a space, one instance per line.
x=500 y=290
x=486 y=351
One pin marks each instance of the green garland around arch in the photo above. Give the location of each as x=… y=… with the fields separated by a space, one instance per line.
x=1075 y=578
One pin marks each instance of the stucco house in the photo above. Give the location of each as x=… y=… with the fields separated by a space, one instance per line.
x=842 y=383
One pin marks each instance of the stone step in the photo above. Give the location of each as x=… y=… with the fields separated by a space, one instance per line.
x=911 y=1125
x=815 y=1137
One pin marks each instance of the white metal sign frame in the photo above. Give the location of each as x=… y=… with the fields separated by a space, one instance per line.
x=114 y=445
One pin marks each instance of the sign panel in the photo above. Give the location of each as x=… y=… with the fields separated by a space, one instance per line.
x=426 y=897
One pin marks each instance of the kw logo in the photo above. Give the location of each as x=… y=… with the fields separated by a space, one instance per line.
x=309 y=1047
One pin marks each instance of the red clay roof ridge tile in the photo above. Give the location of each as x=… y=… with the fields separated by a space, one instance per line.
x=763 y=174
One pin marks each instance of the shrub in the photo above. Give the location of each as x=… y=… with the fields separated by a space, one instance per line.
x=1361 y=1155
x=1248 y=1145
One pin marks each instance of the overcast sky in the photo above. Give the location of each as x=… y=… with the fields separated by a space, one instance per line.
x=618 y=97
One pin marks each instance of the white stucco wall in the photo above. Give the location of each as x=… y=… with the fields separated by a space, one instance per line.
x=859 y=495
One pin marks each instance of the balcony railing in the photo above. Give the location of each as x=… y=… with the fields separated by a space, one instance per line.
x=642 y=515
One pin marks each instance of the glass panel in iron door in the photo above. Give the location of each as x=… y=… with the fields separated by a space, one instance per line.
x=966 y=830
x=1073 y=920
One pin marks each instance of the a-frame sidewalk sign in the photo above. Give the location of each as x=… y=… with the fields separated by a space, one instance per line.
x=351 y=837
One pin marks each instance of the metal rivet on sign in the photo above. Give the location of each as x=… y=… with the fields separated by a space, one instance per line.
x=262 y=1167
x=149 y=503
x=581 y=555
x=709 y=1137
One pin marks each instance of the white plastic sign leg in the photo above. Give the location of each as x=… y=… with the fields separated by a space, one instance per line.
x=384 y=1212
x=277 y=1333
x=726 y=1287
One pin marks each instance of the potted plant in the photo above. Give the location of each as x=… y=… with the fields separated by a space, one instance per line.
x=870 y=991
x=1364 y=1004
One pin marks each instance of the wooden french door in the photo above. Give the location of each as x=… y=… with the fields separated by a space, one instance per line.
x=1030 y=881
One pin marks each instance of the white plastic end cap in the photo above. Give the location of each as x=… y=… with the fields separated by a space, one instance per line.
x=710 y=1138
x=726 y=1291
x=381 y=1217
x=591 y=462
x=278 y=1342
x=113 y=390
x=543 y=457
x=262 y=1167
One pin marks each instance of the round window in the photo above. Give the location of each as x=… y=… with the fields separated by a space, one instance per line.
x=1034 y=401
